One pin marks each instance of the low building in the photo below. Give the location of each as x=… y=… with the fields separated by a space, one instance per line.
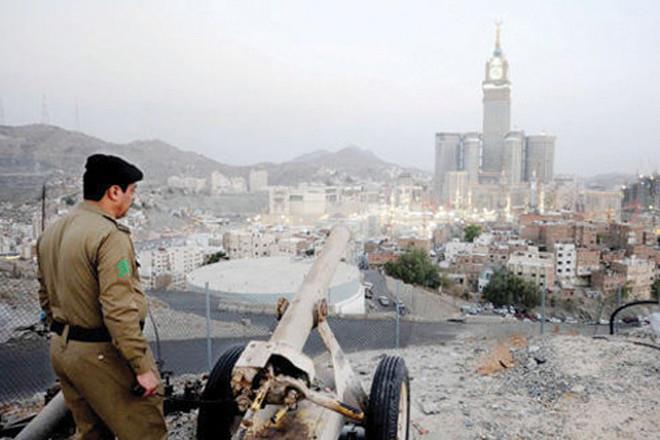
x=411 y=242
x=607 y=281
x=258 y=180
x=587 y=261
x=249 y=244
x=534 y=266
x=168 y=267
x=639 y=275
x=565 y=262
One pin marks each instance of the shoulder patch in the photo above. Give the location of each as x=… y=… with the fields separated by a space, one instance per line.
x=123 y=268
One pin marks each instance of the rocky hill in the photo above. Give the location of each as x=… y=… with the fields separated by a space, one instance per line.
x=32 y=154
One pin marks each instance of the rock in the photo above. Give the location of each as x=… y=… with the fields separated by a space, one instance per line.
x=540 y=360
x=577 y=389
x=430 y=408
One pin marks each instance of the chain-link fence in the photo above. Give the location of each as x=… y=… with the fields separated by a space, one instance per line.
x=189 y=330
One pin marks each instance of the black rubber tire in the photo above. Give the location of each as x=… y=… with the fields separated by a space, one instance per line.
x=382 y=416
x=215 y=423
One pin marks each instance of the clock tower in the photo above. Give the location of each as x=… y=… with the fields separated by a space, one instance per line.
x=497 y=108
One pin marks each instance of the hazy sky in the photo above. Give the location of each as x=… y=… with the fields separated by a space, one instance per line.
x=248 y=81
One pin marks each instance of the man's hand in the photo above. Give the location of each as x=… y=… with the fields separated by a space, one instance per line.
x=149 y=382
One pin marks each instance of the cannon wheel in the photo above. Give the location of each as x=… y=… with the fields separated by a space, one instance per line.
x=215 y=423
x=388 y=413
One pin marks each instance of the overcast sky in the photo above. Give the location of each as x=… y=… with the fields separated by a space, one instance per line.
x=249 y=81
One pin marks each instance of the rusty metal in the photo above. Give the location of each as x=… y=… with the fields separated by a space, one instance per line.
x=320 y=312
x=282 y=305
x=290 y=405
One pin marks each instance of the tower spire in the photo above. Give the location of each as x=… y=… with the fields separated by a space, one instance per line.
x=498 y=47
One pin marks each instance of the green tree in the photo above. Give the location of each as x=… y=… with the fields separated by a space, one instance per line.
x=655 y=290
x=505 y=288
x=214 y=258
x=414 y=267
x=471 y=232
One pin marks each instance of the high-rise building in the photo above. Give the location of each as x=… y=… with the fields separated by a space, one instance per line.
x=497 y=108
x=446 y=159
x=472 y=156
x=258 y=180
x=500 y=165
x=540 y=157
x=512 y=157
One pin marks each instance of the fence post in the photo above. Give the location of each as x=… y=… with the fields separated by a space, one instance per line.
x=398 y=286
x=209 y=353
x=543 y=292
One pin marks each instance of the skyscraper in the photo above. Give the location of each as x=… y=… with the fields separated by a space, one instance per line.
x=499 y=165
x=446 y=159
x=497 y=108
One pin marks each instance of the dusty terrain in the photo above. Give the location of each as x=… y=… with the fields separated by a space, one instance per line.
x=512 y=387
x=492 y=385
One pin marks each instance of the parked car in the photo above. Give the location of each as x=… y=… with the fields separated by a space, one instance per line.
x=384 y=301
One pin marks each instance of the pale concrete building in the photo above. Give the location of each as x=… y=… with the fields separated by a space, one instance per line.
x=186 y=183
x=307 y=201
x=497 y=108
x=601 y=205
x=512 y=157
x=456 y=189
x=249 y=244
x=639 y=275
x=171 y=263
x=497 y=160
x=258 y=180
x=455 y=248
x=219 y=183
x=278 y=200
x=565 y=262
x=534 y=266
x=472 y=156
x=238 y=184
x=446 y=159
x=540 y=157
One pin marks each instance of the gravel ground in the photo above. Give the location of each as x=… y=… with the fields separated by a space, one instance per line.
x=513 y=387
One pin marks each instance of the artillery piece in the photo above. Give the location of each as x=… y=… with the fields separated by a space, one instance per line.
x=278 y=392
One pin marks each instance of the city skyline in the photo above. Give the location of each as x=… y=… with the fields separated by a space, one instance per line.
x=250 y=83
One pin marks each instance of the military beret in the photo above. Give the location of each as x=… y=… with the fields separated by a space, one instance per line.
x=106 y=169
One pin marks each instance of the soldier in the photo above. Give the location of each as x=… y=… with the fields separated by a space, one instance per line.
x=91 y=294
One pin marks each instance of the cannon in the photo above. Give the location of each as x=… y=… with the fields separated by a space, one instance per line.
x=272 y=390
x=277 y=392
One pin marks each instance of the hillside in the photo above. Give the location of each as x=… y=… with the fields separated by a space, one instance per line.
x=33 y=154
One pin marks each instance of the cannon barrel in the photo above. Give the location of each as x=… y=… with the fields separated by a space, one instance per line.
x=48 y=419
x=298 y=320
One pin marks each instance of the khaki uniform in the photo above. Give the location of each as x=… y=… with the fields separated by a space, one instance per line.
x=89 y=279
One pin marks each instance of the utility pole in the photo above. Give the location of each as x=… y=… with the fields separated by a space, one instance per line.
x=398 y=314
x=543 y=293
x=43 y=208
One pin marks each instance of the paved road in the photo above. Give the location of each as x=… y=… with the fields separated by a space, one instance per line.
x=26 y=368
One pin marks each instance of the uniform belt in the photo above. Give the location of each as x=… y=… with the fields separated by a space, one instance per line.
x=82 y=334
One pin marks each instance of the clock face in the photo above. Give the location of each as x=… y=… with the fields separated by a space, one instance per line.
x=496 y=72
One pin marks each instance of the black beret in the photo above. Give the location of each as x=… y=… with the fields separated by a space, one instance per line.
x=106 y=169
